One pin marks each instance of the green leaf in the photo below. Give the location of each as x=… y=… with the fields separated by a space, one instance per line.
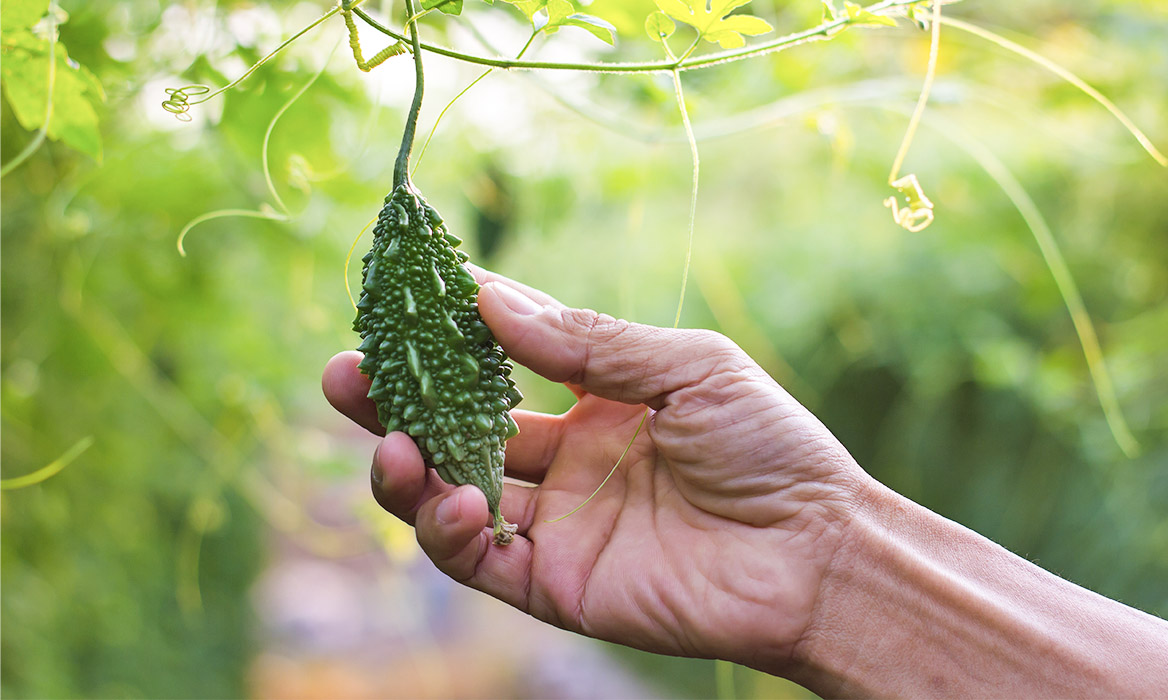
x=561 y=13
x=919 y=13
x=22 y=14
x=448 y=7
x=76 y=92
x=858 y=15
x=716 y=24
x=659 y=26
x=596 y=26
x=558 y=11
x=529 y=7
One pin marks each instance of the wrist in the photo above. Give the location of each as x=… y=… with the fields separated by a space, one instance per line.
x=915 y=604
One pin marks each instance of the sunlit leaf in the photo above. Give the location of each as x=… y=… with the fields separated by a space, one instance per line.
x=22 y=14
x=595 y=26
x=529 y=7
x=76 y=92
x=715 y=23
x=919 y=13
x=858 y=15
x=561 y=13
x=558 y=11
x=449 y=7
x=659 y=26
x=829 y=12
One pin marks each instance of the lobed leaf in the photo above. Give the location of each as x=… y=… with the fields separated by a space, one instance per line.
x=22 y=14
x=659 y=26
x=594 y=25
x=76 y=92
x=561 y=13
x=715 y=23
x=449 y=7
x=528 y=7
x=858 y=15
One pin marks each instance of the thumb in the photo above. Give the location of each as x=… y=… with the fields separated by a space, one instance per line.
x=612 y=358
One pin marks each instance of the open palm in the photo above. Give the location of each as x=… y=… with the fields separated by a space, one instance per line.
x=711 y=536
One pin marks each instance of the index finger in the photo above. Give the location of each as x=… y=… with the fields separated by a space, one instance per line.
x=347 y=389
x=483 y=276
x=528 y=454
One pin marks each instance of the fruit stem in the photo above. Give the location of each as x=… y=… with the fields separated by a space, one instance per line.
x=401 y=168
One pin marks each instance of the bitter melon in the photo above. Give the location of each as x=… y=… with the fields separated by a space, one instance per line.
x=437 y=372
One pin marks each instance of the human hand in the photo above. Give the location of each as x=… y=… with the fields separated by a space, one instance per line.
x=710 y=540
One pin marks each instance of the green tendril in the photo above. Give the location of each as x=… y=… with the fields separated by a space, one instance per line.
x=395 y=49
x=1060 y=71
x=49 y=470
x=628 y=446
x=179 y=103
x=915 y=212
x=484 y=74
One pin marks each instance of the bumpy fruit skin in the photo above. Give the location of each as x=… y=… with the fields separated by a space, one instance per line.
x=438 y=374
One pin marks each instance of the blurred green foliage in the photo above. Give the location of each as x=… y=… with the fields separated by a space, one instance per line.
x=944 y=360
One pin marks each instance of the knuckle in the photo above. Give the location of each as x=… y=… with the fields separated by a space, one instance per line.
x=595 y=330
x=716 y=351
x=579 y=321
x=716 y=342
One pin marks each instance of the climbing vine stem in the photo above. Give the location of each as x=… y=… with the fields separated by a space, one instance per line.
x=687 y=61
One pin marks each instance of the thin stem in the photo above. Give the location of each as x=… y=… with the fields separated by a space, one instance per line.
x=693 y=203
x=401 y=168
x=1063 y=279
x=419 y=15
x=819 y=32
x=264 y=212
x=724 y=680
x=50 y=469
x=465 y=90
x=272 y=126
x=43 y=131
x=1066 y=75
x=415 y=17
x=349 y=258
x=688 y=52
x=693 y=194
x=273 y=53
x=930 y=75
x=629 y=446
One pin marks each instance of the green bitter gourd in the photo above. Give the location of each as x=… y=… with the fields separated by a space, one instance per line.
x=437 y=372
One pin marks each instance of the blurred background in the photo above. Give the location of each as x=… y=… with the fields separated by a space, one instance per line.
x=211 y=534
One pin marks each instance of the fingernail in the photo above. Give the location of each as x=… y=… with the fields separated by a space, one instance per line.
x=447 y=511
x=517 y=301
x=376 y=473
